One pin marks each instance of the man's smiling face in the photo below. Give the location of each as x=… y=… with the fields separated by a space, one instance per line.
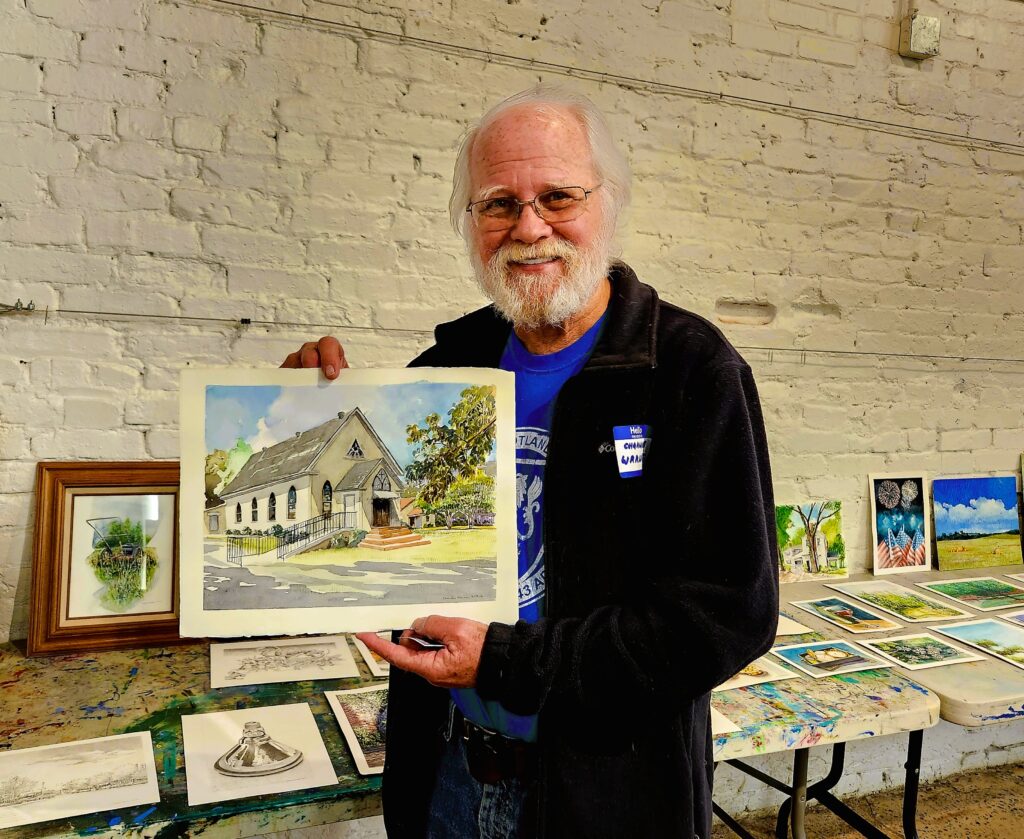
x=537 y=273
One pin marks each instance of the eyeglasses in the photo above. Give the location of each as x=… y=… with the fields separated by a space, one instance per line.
x=554 y=206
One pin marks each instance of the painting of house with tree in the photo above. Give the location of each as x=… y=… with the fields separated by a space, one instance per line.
x=810 y=538
x=355 y=494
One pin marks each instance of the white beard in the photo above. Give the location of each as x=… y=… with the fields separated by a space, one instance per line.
x=532 y=301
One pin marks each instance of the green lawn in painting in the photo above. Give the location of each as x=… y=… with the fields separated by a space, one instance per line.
x=983 y=552
x=982 y=594
x=454 y=545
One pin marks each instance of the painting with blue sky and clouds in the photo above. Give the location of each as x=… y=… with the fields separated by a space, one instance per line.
x=977 y=523
x=359 y=504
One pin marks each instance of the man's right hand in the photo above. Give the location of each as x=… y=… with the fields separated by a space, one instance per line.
x=327 y=354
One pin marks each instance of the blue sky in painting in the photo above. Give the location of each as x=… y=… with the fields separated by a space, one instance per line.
x=263 y=416
x=975 y=505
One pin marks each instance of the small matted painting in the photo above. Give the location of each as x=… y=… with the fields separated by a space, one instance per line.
x=920 y=651
x=977 y=522
x=828 y=658
x=846 y=615
x=363 y=716
x=900 y=523
x=810 y=538
x=904 y=603
x=982 y=593
x=1003 y=640
x=758 y=672
x=105 y=565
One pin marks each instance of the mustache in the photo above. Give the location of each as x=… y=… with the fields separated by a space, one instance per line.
x=519 y=252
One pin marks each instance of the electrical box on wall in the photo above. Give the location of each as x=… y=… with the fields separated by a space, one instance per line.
x=919 y=36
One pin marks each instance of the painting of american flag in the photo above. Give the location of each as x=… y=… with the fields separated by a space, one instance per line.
x=901 y=523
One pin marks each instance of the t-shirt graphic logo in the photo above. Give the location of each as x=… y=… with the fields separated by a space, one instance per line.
x=531 y=455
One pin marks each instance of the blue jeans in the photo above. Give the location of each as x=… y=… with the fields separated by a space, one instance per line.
x=462 y=807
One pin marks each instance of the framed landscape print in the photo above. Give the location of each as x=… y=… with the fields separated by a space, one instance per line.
x=900 y=523
x=977 y=522
x=315 y=506
x=105 y=559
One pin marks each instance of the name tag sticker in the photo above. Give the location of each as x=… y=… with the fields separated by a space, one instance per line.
x=631 y=444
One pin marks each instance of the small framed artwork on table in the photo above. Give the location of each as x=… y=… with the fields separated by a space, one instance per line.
x=105 y=557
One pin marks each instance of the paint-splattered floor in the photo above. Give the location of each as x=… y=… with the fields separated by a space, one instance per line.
x=986 y=804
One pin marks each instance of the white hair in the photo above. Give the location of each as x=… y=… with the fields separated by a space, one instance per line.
x=609 y=163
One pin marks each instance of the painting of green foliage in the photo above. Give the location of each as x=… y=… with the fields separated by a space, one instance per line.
x=900 y=601
x=122 y=561
x=983 y=593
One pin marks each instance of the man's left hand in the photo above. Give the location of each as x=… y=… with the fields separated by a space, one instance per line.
x=455 y=666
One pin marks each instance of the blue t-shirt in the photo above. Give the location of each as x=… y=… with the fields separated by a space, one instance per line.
x=538 y=380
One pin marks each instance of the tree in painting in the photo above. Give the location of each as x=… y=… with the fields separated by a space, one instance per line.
x=122 y=561
x=446 y=452
x=810 y=540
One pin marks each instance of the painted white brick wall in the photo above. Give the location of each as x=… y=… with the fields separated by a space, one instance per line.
x=184 y=159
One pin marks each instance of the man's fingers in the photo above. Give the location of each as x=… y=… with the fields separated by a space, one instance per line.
x=406 y=659
x=292 y=360
x=332 y=356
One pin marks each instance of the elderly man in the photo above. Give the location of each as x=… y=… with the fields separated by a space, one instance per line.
x=646 y=520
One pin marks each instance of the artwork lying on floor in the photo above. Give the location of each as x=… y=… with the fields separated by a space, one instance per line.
x=379 y=666
x=1003 y=640
x=282 y=660
x=70 y=779
x=982 y=593
x=810 y=539
x=977 y=522
x=363 y=716
x=253 y=751
x=846 y=615
x=919 y=652
x=900 y=523
x=828 y=658
x=904 y=603
x=314 y=506
x=758 y=672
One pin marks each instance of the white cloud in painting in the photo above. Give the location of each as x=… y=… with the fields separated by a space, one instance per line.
x=980 y=515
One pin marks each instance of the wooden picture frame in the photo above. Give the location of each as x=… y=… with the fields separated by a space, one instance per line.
x=105 y=557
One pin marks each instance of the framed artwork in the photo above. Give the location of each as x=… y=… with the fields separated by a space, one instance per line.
x=315 y=506
x=982 y=593
x=846 y=615
x=105 y=559
x=811 y=545
x=919 y=652
x=901 y=526
x=899 y=601
x=977 y=522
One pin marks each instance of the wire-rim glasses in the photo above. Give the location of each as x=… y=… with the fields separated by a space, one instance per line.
x=564 y=203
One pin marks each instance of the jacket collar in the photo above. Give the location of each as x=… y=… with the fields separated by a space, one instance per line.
x=627 y=339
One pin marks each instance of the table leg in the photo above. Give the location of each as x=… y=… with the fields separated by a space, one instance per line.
x=913 y=778
x=799 y=797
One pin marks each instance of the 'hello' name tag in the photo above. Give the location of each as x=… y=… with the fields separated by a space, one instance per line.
x=631 y=443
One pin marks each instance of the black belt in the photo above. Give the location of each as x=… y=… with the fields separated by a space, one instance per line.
x=492 y=757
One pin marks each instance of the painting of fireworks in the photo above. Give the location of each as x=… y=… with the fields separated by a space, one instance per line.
x=828 y=658
x=758 y=672
x=982 y=593
x=919 y=652
x=902 y=602
x=977 y=522
x=900 y=523
x=70 y=779
x=847 y=615
x=363 y=716
x=311 y=506
x=1003 y=640
x=810 y=538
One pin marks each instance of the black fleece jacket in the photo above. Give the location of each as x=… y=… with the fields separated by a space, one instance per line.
x=658 y=587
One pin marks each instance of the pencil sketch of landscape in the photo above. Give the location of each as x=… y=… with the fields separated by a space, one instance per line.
x=284 y=660
x=69 y=779
x=315 y=506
